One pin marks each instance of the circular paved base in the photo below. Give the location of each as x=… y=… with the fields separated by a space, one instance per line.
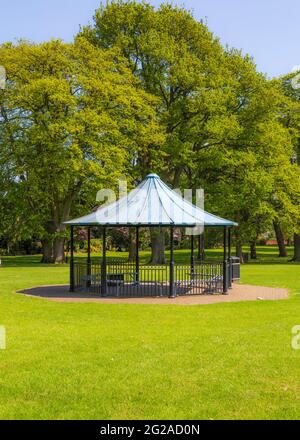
x=239 y=292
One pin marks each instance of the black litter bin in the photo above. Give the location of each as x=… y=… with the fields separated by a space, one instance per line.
x=235 y=268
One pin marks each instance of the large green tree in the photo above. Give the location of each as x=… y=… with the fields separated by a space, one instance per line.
x=290 y=118
x=75 y=117
x=219 y=115
x=70 y=116
x=248 y=175
x=177 y=60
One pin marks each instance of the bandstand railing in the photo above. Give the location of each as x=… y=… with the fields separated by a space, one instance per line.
x=122 y=280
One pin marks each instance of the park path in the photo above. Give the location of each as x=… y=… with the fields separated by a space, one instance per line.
x=239 y=292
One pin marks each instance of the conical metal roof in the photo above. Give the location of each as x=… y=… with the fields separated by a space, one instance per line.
x=151 y=203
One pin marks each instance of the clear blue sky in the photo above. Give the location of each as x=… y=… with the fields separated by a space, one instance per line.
x=268 y=30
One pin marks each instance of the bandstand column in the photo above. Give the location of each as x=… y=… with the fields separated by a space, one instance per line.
x=192 y=255
x=137 y=259
x=72 y=260
x=229 y=258
x=171 y=275
x=88 y=261
x=199 y=248
x=103 y=272
x=200 y=255
x=225 y=286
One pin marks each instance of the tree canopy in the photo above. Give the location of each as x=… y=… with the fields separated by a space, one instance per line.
x=70 y=116
x=221 y=118
x=142 y=90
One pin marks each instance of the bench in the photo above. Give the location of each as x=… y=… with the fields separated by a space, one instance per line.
x=88 y=280
x=115 y=280
x=209 y=284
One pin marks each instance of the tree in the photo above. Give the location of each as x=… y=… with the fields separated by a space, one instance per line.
x=250 y=172
x=69 y=118
x=290 y=118
x=179 y=61
x=279 y=238
x=219 y=115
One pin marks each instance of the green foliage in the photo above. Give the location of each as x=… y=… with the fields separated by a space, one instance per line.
x=287 y=195
x=70 y=116
x=144 y=89
x=221 y=118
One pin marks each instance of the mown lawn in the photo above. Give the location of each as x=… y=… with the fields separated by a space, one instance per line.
x=66 y=361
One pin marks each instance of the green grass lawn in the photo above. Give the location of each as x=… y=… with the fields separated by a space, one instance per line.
x=76 y=360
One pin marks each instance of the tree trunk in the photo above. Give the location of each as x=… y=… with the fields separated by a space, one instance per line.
x=176 y=177
x=253 y=254
x=47 y=256
x=296 y=256
x=157 y=246
x=279 y=238
x=132 y=247
x=59 y=250
x=53 y=248
x=27 y=247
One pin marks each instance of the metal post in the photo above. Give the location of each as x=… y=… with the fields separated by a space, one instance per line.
x=137 y=260
x=225 y=287
x=192 y=255
x=72 y=260
x=88 y=261
x=104 y=280
x=201 y=246
x=171 y=276
x=229 y=259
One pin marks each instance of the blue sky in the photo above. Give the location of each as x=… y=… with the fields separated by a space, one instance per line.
x=268 y=30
